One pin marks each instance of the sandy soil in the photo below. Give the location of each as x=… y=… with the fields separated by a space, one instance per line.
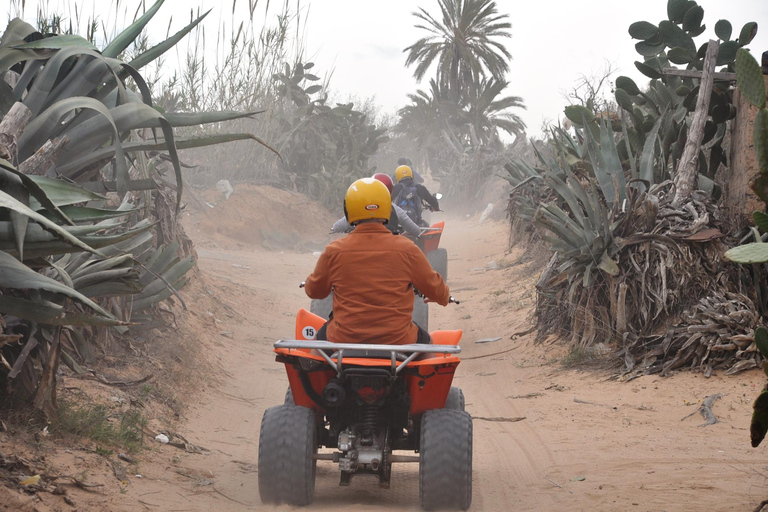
x=627 y=448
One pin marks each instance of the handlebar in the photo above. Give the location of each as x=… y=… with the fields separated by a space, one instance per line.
x=302 y=284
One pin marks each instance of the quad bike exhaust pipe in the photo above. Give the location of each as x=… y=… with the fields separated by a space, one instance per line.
x=334 y=457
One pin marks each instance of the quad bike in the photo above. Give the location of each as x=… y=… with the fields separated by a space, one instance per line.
x=364 y=402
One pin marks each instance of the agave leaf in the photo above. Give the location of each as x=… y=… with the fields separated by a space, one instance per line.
x=160 y=261
x=39 y=130
x=105 y=275
x=7 y=201
x=15 y=32
x=62 y=193
x=129 y=35
x=608 y=265
x=649 y=152
x=198 y=118
x=55 y=43
x=36 y=191
x=157 y=145
x=96 y=241
x=171 y=275
x=140 y=304
x=45 y=80
x=35 y=233
x=48 y=314
x=16 y=275
x=86 y=214
x=122 y=118
x=94 y=265
x=160 y=48
x=111 y=289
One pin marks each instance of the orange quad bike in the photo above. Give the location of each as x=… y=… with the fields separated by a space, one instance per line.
x=362 y=403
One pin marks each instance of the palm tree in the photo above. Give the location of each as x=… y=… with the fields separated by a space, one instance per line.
x=488 y=113
x=463 y=44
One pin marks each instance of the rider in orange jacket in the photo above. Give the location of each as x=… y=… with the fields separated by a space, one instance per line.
x=372 y=274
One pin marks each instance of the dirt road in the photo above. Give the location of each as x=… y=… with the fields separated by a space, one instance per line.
x=546 y=437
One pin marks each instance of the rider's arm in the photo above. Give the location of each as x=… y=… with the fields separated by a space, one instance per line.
x=405 y=221
x=340 y=226
x=426 y=280
x=426 y=196
x=318 y=284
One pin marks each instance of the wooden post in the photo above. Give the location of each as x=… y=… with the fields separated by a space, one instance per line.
x=738 y=196
x=685 y=179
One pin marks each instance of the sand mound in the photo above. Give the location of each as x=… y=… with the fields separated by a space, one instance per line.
x=258 y=216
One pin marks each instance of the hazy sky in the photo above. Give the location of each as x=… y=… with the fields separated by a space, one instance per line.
x=552 y=41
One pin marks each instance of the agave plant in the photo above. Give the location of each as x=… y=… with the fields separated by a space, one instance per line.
x=88 y=129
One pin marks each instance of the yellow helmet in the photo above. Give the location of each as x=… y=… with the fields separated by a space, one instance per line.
x=367 y=198
x=403 y=172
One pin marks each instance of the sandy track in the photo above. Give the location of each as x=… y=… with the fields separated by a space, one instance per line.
x=631 y=451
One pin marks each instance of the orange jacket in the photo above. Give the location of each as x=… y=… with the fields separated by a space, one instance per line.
x=372 y=273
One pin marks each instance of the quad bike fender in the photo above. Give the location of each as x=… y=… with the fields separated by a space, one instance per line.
x=307 y=325
x=432 y=239
x=446 y=337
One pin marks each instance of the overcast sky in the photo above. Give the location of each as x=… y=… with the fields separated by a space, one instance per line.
x=552 y=43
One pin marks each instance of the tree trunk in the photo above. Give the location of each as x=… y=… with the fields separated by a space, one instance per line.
x=11 y=128
x=685 y=179
x=45 y=396
x=44 y=157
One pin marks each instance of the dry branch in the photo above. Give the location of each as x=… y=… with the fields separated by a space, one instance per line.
x=706 y=410
x=686 y=171
x=11 y=128
x=44 y=157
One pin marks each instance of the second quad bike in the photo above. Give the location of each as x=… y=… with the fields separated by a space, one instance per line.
x=360 y=404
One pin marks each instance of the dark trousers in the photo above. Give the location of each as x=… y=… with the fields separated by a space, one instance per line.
x=422 y=336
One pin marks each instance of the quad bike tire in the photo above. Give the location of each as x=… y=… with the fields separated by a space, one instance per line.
x=420 y=313
x=454 y=401
x=287 y=443
x=289 y=397
x=323 y=308
x=445 y=466
x=439 y=261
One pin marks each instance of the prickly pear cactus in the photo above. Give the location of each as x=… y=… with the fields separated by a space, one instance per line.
x=759 y=425
x=748 y=253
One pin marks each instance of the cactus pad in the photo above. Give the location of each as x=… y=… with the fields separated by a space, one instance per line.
x=748 y=253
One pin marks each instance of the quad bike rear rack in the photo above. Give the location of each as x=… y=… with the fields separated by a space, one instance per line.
x=403 y=353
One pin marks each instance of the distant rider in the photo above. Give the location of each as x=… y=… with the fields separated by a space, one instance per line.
x=407 y=161
x=399 y=221
x=372 y=275
x=409 y=195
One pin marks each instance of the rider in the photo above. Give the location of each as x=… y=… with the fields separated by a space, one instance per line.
x=409 y=195
x=372 y=275
x=407 y=161
x=399 y=218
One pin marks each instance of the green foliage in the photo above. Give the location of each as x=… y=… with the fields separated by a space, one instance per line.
x=674 y=44
x=759 y=425
x=756 y=252
x=98 y=423
x=761 y=341
x=66 y=252
x=324 y=148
